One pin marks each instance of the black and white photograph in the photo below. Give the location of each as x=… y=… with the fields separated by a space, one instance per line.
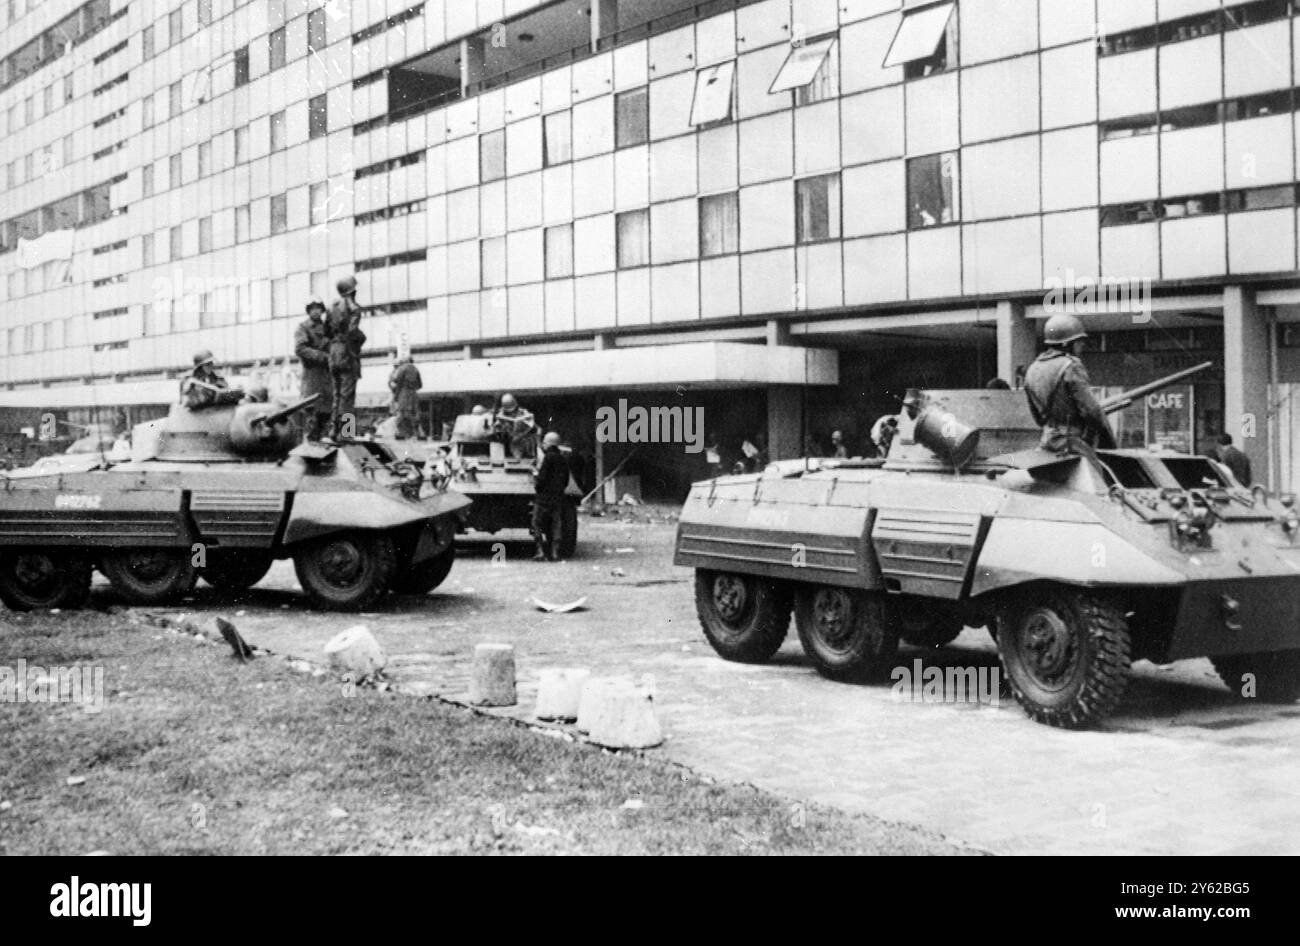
x=651 y=427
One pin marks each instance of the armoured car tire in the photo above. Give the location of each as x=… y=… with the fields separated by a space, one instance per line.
x=922 y=628
x=745 y=618
x=569 y=538
x=150 y=576
x=347 y=571
x=236 y=571
x=421 y=578
x=1065 y=655
x=1276 y=675
x=34 y=580
x=846 y=633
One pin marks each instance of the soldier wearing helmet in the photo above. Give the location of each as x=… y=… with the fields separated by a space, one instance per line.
x=516 y=428
x=311 y=344
x=346 y=342
x=1060 y=396
x=205 y=387
x=552 y=479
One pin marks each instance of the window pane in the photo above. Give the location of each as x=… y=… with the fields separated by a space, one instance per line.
x=492 y=156
x=241 y=66
x=174 y=100
x=632 y=118
x=318 y=117
x=146 y=119
x=493 y=261
x=825 y=84
x=714 y=94
x=817 y=208
x=275 y=42
x=146 y=42
x=205 y=12
x=317 y=197
x=241 y=224
x=316 y=31
x=919 y=34
x=205 y=158
x=279 y=213
x=559 y=251
x=146 y=250
x=205 y=235
x=279 y=298
x=559 y=138
x=177 y=246
x=146 y=180
x=931 y=190
x=719 y=225
x=801 y=65
x=241 y=144
x=174 y=33
x=633 y=239
x=277 y=131
x=174 y=171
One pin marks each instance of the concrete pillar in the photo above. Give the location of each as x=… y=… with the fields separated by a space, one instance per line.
x=603 y=341
x=778 y=332
x=1017 y=341
x=473 y=60
x=604 y=21
x=1246 y=371
x=784 y=423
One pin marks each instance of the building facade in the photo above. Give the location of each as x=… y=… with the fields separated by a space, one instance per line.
x=814 y=204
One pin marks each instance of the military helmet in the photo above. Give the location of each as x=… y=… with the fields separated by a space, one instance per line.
x=508 y=402
x=314 y=302
x=552 y=439
x=347 y=285
x=203 y=357
x=913 y=398
x=1063 y=329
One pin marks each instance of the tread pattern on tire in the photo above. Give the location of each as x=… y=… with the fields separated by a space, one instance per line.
x=773 y=610
x=1104 y=688
x=386 y=565
x=119 y=575
x=876 y=645
x=73 y=593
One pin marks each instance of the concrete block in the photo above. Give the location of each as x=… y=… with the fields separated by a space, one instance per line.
x=356 y=651
x=492 y=682
x=559 y=693
x=622 y=716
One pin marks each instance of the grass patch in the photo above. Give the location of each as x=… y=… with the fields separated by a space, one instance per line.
x=195 y=753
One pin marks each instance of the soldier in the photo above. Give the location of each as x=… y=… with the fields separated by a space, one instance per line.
x=515 y=427
x=883 y=433
x=1060 y=397
x=311 y=344
x=1234 y=460
x=405 y=383
x=204 y=387
x=838 y=450
x=552 y=479
x=346 y=341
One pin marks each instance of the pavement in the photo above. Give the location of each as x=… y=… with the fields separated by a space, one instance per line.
x=1181 y=768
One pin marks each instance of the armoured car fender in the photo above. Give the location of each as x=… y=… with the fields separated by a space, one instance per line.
x=320 y=513
x=1016 y=551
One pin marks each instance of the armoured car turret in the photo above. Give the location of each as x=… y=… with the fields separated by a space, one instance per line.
x=221 y=493
x=1077 y=567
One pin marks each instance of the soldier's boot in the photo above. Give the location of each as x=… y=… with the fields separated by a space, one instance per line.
x=541 y=550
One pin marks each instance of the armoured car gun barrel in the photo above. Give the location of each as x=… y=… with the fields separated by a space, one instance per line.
x=1121 y=401
x=282 y=415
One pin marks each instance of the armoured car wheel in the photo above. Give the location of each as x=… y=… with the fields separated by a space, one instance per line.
x=922 y=627
x=569 y=538
x=1065 y=655
x=36 y=580
x=421 y=578
x=236 y=571
x=348 y=571
x=1276 y=675
x=845 y=633
x=745 y=618
x=150 y=576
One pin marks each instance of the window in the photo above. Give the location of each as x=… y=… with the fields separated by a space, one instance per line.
x=174 y=100
x=317 y=117
x=241 y=144
x=320 y=284
x=205 y=158
x=48 y=99
x=559 y=138
x=146 y=250
x=205 y=12
x=241 y=224
x=632 y=118
x=492 y=156
x=279 y=213
x=174 y=175
x=492 y=255
x=932 y=191
x=67 y=89
x=817 y=208
x=205 y=234
x=318 y=197
x=715 y=94
x=1258 y=106
x=922 y=44
x=633 y=239
x=174 y=28
x=146 y=180
x=810 y=64
x=1262 y=198
x=559 y=251
x=719 y=224
x=316 y=31
x=68 y=149
x=146 y=112
x=29 y=109
x=177 y=243
x=241 y=66
x=279 y=298
x=275 y=48
x=277 y=131
x=146 y=43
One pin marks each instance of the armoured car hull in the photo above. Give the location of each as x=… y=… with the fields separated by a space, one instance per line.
x=1077 y=568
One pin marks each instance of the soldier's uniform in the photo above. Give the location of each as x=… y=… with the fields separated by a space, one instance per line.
x=203 y=387
x=346 y=341
x=518 y=430
x=311 y=345
x=1061 y=399
x=405 y=383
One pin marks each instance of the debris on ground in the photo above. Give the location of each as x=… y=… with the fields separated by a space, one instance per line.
x=243 y=652
x=618 y=573
x=559 y=608
x=74 y=780
x=356 y=651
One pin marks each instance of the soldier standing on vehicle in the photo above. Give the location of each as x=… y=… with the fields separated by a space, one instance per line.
x=204 y=387
x=346 y=342
x=405 y=383
x=311 y=344
x=552 y=478
x=1060 y=396
x=516 y=428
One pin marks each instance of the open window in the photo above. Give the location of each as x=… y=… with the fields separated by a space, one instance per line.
x=922 y=45
x=803 y=65
x=714 y=94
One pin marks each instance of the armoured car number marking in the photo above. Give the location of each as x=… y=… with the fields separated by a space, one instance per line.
x=77 y=501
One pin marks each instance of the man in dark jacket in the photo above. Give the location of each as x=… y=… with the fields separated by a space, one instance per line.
x=405 y=383
x=204 y=386
x=1060 y=395
x=1234 y=460
x=311 y=345
x=346 y=342
x=552 y=478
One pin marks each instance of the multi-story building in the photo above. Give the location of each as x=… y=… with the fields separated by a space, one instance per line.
x=786 y=211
